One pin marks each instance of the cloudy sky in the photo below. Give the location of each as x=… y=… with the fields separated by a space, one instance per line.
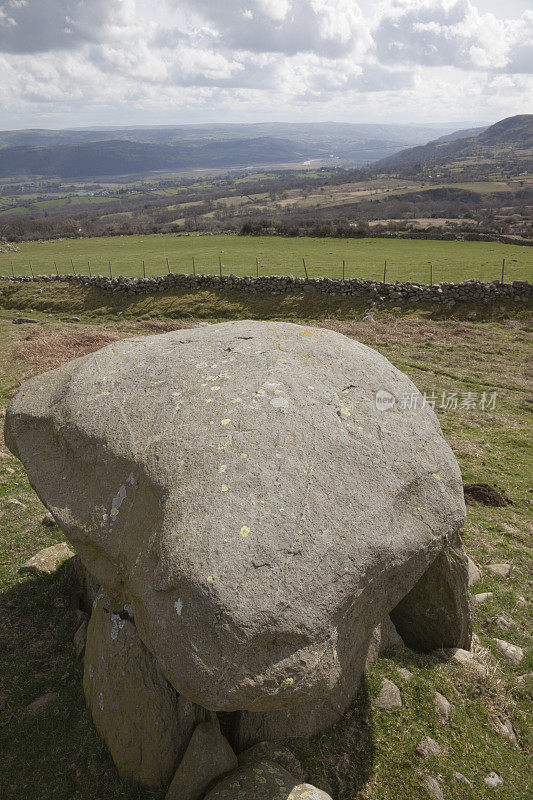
x=106 y=62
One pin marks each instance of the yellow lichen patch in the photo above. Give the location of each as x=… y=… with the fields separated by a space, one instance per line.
x=345 y=411
x=436 y=476
x=237 y=400
x=244 y=455
x=260 y=393
x=215 y=388
x=222 y=468
x=210 y=579
x=225 y=422
x=245 y=530
x=209 y=400
x=222 y=445
x=224 y=488
x=286 y=682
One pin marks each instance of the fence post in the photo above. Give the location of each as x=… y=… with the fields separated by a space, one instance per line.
x=503 y=268
x=220 y=266
x=12 y=270
x=31 y=270
x=343 y=268
x=89 y=265
x=55 y=265
x=144 y=270
x=193 y=267
x=385 y=272
x=72 y=265
x=431 y=273
x=305 y=270
x=110 y=273
x=168 y=267
x=257 y=267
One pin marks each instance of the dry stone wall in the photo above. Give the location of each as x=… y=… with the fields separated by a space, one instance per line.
x=373 y=291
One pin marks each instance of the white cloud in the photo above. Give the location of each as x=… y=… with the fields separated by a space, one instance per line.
x=404 y=59
x=329 y=28
x=452 y=33
x=45 y=25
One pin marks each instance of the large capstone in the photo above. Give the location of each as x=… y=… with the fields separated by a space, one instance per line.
x=262 y=496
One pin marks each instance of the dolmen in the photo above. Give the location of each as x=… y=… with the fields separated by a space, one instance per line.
x=253 y=511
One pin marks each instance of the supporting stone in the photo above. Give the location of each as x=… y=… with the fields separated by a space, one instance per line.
x=144 y=722
x=436 y=612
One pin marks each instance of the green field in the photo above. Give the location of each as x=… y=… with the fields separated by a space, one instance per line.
x=407 y=259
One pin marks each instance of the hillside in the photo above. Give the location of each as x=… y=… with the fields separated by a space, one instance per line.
x=466 y=134
x=123 y=157
x=509 y=137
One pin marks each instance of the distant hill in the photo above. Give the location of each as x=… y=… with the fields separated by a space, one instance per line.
x=106 y=158
x=199 y=146
x=509 y=135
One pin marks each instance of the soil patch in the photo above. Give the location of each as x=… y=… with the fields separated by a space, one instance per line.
x=485 y=494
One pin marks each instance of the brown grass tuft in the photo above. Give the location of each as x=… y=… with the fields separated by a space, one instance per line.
x=43 y=349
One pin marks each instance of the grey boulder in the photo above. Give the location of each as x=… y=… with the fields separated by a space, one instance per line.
x=240 y=487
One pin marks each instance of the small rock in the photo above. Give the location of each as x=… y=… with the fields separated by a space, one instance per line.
x=12 y=501
x=523 y=679
x=493 y=780
x=208 y=757
x=442 y=705
x=469 y=660
x=389 y=696
x=460 y=778
x=432 y=787
x=501 y=570
x=482 y=597
x=509 y=652
x=48 y=520
x=405 y=673
x=74 y=319
x=505 y=728
x=504 y=621
x=474 y=574
x=46 y=561
x=41 y=703
x=271 y=751
x=428 y=748
x=23 y=320
x=80 y=639
x=10 y=470
x=368 y=318
x=263 y=780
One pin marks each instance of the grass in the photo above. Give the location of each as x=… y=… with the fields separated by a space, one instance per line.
x=369 y=754
x=407 y=259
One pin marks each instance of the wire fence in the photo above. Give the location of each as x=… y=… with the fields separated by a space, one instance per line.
x=145 y=270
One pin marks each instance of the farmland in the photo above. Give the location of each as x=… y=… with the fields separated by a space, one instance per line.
x=406 y=259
